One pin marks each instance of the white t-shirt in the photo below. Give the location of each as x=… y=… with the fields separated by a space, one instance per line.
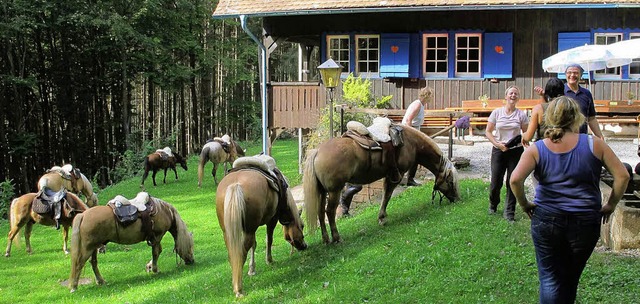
x=508 y=126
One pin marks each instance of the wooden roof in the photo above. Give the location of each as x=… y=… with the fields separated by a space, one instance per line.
x=262 y=8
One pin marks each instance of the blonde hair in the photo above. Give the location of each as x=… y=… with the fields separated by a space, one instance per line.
x=563 y=114
x=509 y=88
x=425 y=93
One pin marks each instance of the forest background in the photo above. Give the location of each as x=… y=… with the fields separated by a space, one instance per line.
x=100 y=84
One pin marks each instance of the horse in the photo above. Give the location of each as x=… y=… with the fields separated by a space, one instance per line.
x=21 y=215
x=155 y=161
x=214 y=152
x=98 y=226
x=245 y=201
x=342 y=160
x=74 y=181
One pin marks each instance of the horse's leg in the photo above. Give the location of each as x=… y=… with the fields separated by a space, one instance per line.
x=388 y=190
x=270 y=227
x=321 y=216
x=65 y=238
x=153 y=176
x=27 y=236
x=79 y=257
x=12 y=234
x=164 y=181
x=155 y=253
x=175 y=172
x=332 y=206
x=250 y=247
x=214 y=171
x=94 y=266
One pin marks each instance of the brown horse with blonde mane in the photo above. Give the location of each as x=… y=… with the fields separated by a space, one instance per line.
x=156 y=161
x=245 y=200
x=21 y=215
x=55 y=179
x=99 y=225
x=342 y=160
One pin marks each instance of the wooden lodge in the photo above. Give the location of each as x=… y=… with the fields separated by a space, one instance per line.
x=462 y=49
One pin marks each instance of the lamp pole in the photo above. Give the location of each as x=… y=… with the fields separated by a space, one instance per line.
x=330 y=75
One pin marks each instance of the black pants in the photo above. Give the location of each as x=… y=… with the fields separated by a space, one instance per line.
x=502 y=162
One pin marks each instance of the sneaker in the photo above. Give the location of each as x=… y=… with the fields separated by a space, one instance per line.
x=412 y=183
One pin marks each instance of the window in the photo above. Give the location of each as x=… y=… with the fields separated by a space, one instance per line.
x=605 y=39
x=468 y=55
x=634 y=67
x=338 y=50
x=367 y=55
x=435 y=53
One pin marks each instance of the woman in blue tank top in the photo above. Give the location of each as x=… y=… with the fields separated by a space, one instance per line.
x=567 y=208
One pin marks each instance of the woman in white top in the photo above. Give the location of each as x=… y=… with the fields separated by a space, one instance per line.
x=414 y=116
x=504 y=130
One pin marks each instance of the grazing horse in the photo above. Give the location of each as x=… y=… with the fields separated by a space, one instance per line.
x=99 y=225
x=342 y=160
x=74 y=181
x=244 y=201
x=214 y=152
x=156 y=161
x=21 y=214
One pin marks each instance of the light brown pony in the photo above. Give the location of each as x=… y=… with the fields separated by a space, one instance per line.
x=154 y=162
x=21 y=215
x=215 y=153
x=245 y=201
x=342 y=160
x=98 y=226
x=76 y=183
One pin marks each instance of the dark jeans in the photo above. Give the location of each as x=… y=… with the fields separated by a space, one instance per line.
x=563 y=243
x=502 y=162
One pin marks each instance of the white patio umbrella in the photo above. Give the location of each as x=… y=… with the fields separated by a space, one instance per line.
x=589 y=57
x=625 y=49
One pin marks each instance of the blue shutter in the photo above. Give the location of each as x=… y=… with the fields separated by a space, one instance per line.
x=570 y=40
x=497 y=59
x=394 y=55
x=415 y=56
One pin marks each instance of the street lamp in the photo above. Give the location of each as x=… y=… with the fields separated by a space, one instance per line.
x=330 y=75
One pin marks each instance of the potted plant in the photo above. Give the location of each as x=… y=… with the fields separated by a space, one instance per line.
x=630 y=97
x=484 y=100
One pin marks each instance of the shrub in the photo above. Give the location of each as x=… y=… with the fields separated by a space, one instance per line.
x=6 y=194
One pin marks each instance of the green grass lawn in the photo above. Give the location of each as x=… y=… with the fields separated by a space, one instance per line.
x=427 y=253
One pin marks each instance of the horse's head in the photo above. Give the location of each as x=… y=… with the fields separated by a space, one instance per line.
x=180 y=160
x=292 y=231
x=447 y=180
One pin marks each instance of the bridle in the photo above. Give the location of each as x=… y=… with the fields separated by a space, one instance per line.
x=447 y=165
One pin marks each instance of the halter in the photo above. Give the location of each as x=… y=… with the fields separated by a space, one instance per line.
x=446 y=164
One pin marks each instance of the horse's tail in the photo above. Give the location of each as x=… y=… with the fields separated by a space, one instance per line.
x=312 y=194
x=13 y=219
x=76 y=248
x=234 y=210
x=204 y=156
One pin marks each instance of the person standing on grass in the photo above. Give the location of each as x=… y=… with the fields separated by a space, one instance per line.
x=567 y=209
x=553 y=89
x=413 y=117
x=508 y=122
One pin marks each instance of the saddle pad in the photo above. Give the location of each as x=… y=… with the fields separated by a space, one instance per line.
x=40 y=207
x=364 y=141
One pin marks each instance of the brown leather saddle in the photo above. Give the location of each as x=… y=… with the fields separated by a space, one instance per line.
x=127 y=214
x=389 y=149
x=45 y=200
x=277 y=183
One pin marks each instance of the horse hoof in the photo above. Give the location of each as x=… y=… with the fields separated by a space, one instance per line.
x=7 y=254
x=382 y=221
x=239 y=295
x=72 y=290
x=66 y=252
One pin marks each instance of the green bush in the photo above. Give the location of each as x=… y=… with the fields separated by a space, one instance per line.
x=6 y=194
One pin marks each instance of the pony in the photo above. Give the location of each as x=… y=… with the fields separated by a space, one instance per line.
x=342 y=160
x=155 y=161
x=98 y=226
x=245 y=201
x=70 y=179
x=21 y=215
x=214 y=152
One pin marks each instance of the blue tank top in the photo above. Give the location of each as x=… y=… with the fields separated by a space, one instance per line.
x=570 y=181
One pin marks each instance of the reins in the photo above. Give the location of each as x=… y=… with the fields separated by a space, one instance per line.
x=445 y=165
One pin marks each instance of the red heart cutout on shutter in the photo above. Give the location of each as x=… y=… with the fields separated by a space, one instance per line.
x=394 y=49
x=499 y=49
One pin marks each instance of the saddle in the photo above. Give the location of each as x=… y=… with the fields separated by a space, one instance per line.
x=367 y=142
x=164 y=153
x=54 y=204
x=266 y=165
x=128 y=211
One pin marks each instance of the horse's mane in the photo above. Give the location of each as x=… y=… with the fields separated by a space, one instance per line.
x=183 y=239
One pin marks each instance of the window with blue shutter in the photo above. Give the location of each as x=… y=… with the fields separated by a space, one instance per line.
x=570 y=40
x=498 y=55
x=394 y=55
